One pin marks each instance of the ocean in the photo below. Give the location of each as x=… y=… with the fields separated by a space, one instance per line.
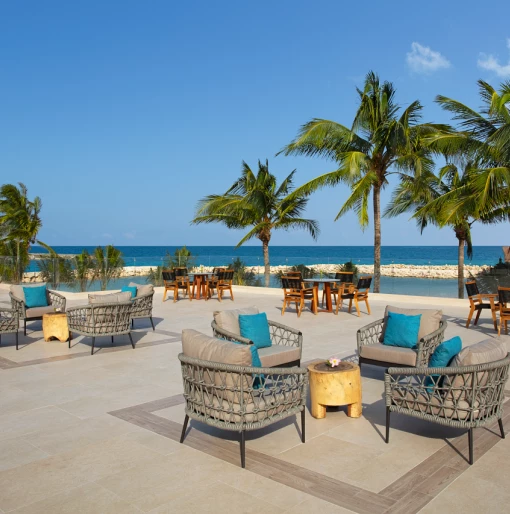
x=309 y=255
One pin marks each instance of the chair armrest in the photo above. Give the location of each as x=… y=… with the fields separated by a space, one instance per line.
x=142 y=304
x=57 y=300
x=18 y=304
x=429 y=343
x=284 y=335
x=369 y=334
x=229 y=336
x=80 y=318
x=9 y=319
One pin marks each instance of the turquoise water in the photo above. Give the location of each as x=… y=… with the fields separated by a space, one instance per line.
x=309 y=255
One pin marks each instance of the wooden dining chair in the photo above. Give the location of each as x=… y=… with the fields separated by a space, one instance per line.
x=294 y=291
x=477 y=303
x=504 y=308
x=170 y=284
x=224 y=283
x=356 y=294
x=345 y=278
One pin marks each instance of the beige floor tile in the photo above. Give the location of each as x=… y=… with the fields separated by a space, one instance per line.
x=316 y=505
x=216 y=498
x=330 y=456
x=87 y=499
x=155 y=442
x=17 y=451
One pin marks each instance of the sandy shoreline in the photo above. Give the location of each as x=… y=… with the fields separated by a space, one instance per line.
x=447 y=271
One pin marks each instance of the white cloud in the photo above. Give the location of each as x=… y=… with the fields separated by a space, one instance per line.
x=489 y=62
x=421 y=59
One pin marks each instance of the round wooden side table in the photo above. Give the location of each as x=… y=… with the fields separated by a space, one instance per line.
x=340 y=385
x=55 y=326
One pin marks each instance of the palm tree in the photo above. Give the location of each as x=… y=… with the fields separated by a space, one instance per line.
x=19 y=225
x=258 y=202
x=108 y=264
x=432 y=198
x=84 y=264
x=381 y=141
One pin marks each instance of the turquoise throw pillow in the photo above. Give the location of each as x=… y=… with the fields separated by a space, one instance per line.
x=35 y=297
x=129 y=289
x=402 y=330
x=255 y=362
x=442 y=357
x=255 y=328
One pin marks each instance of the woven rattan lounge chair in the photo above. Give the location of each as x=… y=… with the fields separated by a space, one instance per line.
x=454 y=396
x=371 y=349
x=286 y=342
x=504 y=308
x=142 y=303
x=294 y=291
x=102 y=319
x=55 y=301
x=9 y=323
x=237 y=398
x=476 y=303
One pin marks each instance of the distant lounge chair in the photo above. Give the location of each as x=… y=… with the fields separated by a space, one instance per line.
x=476 y=303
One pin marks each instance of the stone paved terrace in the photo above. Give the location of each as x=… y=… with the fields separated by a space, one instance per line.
x=99 y=434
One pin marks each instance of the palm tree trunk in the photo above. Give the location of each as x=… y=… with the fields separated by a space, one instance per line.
x=377 y=239
x=460 y=268
x=267 y=267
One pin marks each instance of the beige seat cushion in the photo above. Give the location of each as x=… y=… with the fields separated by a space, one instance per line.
x=429 y=321
x=37 y=312
x=277 y=355
x=17 y=289
x=142 y=289
x=229 y=320
x=97 y=299
x=203 y=347
x=488 y=350
x=393 y=354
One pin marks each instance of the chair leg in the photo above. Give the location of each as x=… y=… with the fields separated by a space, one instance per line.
x=470 y=440
x=301 y=304
x=112 y=339
x=470 y=315
x=184 y=427
x=243 y=449
x=494 y=320
x=131 y=339
x=368 y=306
x=152 y=323
x=356 y=304
x=164 y=294
x=502 y=430
x=16 y=340
x=303 y=415
x=25 y=326
x=93 y=342
x=388 y=412
x=350 y=305
x=132 y=323
x=231 y=294
x=284 y=306
x=477 y=316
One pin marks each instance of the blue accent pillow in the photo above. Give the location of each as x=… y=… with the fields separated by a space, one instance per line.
x=35 y=297
x=441 y=358
x=129 y=289
x=402 y=330
x=255 y=328
x=255 y=362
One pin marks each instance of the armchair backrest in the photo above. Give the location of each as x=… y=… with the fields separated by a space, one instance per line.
x=364 y=283
x=473 y=292
x=294 y=274
x=504 y=297
x=226 y=276
x=344 y=276
x=111 y=317
x=292 y=283
x=181 y=272
x=218 y=269
x=168 y=277
x=17 y=290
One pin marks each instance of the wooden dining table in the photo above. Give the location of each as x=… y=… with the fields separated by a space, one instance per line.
x=200 y=281
x=326 y=282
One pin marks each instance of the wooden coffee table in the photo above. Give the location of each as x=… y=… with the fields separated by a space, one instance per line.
x=340 y=385
x=55 y=326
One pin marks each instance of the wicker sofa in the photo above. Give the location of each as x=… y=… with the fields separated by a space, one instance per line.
x=467 y=394
x=9 y=323
x=287 y=342
x=106 y=315
x=55 y=301
x=223 y=390
x=371 y=349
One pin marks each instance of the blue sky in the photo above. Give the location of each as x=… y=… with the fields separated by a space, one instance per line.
x=121 y=115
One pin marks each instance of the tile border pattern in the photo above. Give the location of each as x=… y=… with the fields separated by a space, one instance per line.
x=174 y=338
x=408 y=494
